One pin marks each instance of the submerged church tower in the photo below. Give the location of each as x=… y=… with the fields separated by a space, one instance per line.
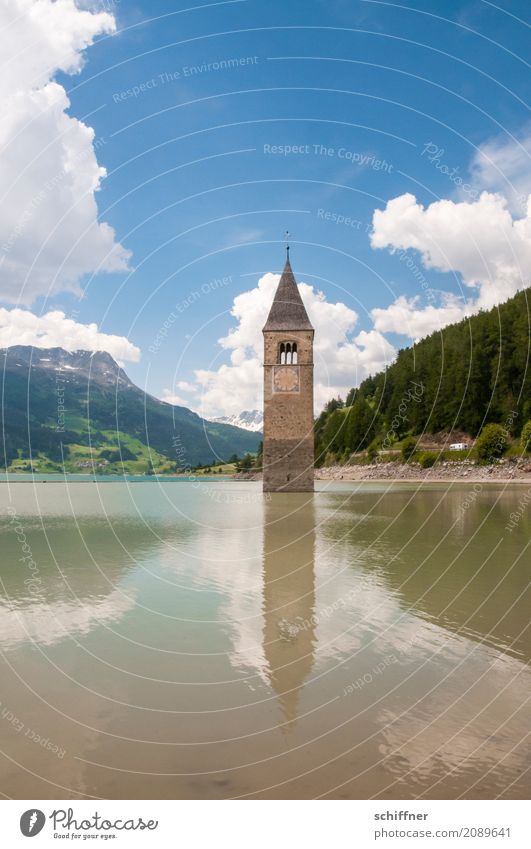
x=288 y=391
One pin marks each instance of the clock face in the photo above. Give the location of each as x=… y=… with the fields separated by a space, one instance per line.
x=286 y=379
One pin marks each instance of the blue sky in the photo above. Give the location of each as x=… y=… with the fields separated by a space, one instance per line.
x=223 y=126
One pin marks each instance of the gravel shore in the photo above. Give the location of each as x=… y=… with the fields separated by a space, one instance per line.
x=506 y=471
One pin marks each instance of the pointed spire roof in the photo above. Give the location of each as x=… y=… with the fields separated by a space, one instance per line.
x=287 y=310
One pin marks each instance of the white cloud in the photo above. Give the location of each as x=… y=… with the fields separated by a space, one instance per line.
x=184 y=386
x=480 y=241
x=55 y=330
x=341 y=359
x=406 y=317
x=171 y=398
x=504 y=165
x=49 y=230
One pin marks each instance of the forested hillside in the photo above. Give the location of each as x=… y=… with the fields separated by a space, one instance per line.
x=80 y=410
x=460 y=378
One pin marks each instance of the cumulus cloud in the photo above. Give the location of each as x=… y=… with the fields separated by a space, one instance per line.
x=406 y=316
x=55 y=330
x=171 y=398
x=50 y=235
x=482 y=242
x=342 y=358
x=504 y=165
x=185 y=386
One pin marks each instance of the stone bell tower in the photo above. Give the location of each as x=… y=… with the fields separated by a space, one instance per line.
x=288 y=391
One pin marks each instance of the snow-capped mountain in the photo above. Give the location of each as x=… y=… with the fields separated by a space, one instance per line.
x=53 y=398
x=247 y=419
x=94 y=367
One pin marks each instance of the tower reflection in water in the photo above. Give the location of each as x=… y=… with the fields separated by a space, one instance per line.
x=289 y=595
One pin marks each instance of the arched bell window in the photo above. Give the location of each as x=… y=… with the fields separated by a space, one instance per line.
x=287 y=353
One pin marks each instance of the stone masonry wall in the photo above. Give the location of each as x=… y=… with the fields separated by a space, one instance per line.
x=288 y=418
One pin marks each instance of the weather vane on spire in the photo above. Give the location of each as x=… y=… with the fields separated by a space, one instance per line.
x=287 y=236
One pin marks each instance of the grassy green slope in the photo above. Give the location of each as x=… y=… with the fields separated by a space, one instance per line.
x=112 y=416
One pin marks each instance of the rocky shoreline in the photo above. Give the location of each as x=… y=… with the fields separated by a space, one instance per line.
x=505 y=471
x=465 y=470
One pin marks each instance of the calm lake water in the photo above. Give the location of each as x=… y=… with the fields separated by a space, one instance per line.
x=180 y=640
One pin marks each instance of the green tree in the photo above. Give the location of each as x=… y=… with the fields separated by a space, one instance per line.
x=360 y=425
x=334 y=432
x=334 y=404
x=427 y=459
x=409 y=446
x=525 y=438
x=351 y=397
x=372 y=452
x=491 y=443
x=468 y=371
x=246 y=463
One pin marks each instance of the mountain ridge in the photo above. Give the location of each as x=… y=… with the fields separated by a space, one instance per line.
x=55 y=403
x=252 y=420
